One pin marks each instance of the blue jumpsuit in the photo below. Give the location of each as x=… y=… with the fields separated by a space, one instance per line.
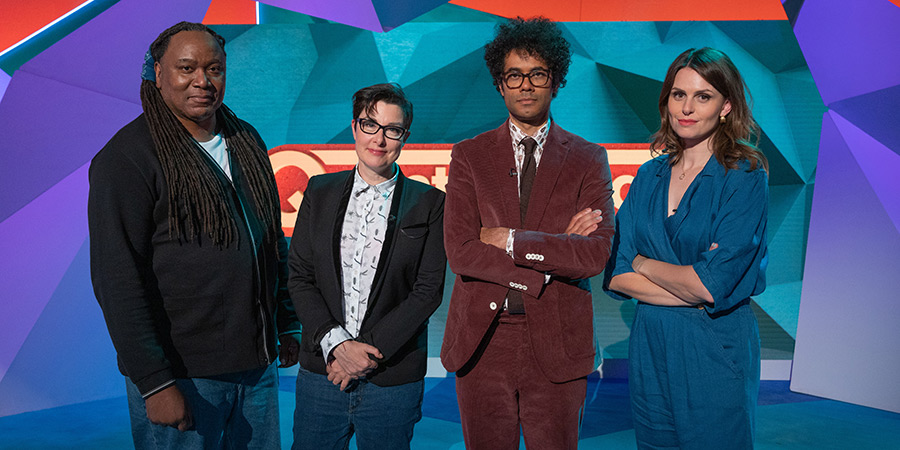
x=694 y=371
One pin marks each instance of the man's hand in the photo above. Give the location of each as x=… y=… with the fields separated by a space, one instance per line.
x=169 y=407
x=584 y=222
x=337 y=375
x=354 y=357
x=288 y=350
x=496 y=236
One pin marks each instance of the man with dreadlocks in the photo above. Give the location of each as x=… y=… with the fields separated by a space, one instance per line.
x=188 y=260
x=520 y=325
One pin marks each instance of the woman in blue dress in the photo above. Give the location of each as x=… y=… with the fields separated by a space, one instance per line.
x=690 y=246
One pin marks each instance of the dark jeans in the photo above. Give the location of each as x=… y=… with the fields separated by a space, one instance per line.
x=381 y=417
x=238 y=410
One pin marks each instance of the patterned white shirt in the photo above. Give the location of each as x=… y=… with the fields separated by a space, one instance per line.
x=519 y=149
x=362 y=238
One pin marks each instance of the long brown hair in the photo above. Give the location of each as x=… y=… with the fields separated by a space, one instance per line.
x=732 y=141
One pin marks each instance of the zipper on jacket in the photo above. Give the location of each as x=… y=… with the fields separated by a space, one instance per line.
x=259 y=282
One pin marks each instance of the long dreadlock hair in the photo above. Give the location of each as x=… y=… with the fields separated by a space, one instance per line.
x=198 y=202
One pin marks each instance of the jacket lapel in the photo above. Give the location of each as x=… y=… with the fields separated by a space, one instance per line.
x=400 y=204
x=554 y=155
x=502 y=160
x=337 y=228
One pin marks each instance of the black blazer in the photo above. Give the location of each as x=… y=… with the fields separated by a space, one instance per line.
x=407 y=288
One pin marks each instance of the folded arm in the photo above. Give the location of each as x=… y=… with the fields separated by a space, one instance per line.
x=571 y=254
x=467 y=254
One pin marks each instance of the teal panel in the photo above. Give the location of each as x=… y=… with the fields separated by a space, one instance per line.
x=771 y=42
x=268 y=66
x=781 y=302
x=592 y=107
x=803 y=109
x=440 y=45
x=269 y=14
x=783 y=200
x=618 y=43
x=641 y=94
x=458 y=14
x=348 y=60
x=456 y=102
x=775 y=342
x=781 y=171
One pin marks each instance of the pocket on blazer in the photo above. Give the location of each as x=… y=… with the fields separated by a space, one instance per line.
x=415 y=231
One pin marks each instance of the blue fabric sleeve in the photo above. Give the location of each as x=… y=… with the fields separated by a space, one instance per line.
x=736 y=269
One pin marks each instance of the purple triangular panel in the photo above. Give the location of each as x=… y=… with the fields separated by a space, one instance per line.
x=4 y=82
x=879 y=163
x=105 y=55
x=73 y=318
x=356 y=13
x=848 y=315
x=850 y=47
x=38 y=244
x=50 y=129
x=875 y=113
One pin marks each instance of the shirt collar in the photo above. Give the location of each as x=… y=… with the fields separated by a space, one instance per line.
x=540 y=136
x=385 y=188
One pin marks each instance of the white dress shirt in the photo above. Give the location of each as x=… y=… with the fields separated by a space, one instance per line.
x=362 y=238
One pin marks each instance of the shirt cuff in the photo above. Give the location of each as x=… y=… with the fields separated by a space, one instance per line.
x=331 y=340
x=509 y=242
x=158 y=388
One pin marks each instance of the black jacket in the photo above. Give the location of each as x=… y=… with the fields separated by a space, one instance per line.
x=407 y=288
x=177 y=308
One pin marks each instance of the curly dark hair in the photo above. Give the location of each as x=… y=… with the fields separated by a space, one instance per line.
x=734 y=140
x=538 y=36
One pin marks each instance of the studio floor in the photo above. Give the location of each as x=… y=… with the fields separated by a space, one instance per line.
x=784 y=420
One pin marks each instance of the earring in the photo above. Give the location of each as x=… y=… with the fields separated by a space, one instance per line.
x=721 y=119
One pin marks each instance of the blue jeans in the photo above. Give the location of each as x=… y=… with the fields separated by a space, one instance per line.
x=381 y=417
x=237 y=410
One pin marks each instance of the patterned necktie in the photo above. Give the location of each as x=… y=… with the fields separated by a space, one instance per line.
x=514 y=302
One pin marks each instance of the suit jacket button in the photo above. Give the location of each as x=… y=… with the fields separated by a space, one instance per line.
x=493 y=306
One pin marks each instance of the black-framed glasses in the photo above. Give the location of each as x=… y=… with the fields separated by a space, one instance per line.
x=537 y=78
x=370 y=126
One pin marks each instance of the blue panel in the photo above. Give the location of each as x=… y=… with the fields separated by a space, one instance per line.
x=68 y=357
x=876 y=114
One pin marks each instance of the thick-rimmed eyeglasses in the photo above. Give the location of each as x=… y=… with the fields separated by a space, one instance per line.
x=370 y=126
x=537 y=78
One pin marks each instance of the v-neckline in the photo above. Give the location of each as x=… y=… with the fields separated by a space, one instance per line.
x=679 y=208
